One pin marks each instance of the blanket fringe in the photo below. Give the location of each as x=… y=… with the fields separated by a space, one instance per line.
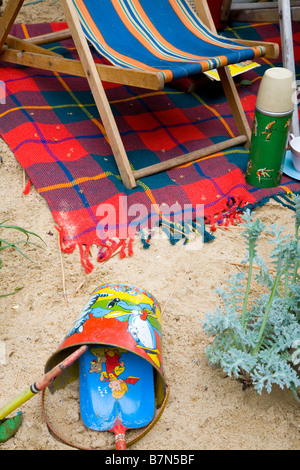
x=285 y=199
x=235 y=208
x=85 y=260
x=231 y=215
x=27 y=187
x=111 y=247
x=105 y=250
x=176 y=232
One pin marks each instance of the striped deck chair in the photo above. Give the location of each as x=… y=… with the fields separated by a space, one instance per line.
x=149 y=43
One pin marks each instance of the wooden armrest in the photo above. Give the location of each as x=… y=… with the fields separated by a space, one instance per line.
x=272 y=48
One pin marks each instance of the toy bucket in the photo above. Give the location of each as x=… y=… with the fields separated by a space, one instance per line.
x=117 y=316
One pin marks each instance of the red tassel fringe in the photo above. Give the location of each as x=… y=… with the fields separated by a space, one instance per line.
x=230 y=215
x=27 y=187
x=106 y=250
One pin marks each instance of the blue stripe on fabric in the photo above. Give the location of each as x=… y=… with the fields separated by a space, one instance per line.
x=165 y=20
x=174 y=31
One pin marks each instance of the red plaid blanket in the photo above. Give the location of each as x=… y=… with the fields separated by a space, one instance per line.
x=51 y=123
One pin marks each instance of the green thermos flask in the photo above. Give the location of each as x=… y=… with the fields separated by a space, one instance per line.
x=270 y=131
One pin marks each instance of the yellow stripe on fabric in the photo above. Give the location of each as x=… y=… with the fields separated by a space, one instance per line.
x=154 y=204
x=72 y=183
x=144 y=95
x=213 y=155
x=44 y=107
x=222 y=120
x=289 y=192
x=26 y=34
x=148 y=192
x=89 y=115
x=253 y=25
x=24 y=107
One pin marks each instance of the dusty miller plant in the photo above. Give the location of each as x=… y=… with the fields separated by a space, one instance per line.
x=258 y=341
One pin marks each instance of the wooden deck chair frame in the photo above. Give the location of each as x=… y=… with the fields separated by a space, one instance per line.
x=29 y=52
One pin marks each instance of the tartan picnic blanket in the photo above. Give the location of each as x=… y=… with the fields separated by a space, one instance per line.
x=52 y=125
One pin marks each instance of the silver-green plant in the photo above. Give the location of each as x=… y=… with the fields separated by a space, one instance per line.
x=256 y=339
x=16 y=245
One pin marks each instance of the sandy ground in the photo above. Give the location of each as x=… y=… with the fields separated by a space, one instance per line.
x=206 y=409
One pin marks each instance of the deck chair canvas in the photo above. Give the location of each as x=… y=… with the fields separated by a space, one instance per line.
x=149 y=43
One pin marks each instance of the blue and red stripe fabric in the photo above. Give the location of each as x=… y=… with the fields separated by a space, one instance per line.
x=164 y=35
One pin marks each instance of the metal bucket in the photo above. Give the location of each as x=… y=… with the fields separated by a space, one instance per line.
x=118 y=315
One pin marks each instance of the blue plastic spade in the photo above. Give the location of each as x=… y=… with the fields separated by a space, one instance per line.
x=116 y=391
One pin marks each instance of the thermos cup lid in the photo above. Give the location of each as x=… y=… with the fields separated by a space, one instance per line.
x=276 y=91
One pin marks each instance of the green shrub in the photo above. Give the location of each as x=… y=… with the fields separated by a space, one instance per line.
x=256 y=342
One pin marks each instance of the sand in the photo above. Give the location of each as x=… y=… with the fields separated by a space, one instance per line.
x=206 y=409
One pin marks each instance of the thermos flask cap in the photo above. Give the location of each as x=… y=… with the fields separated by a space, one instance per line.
x=276 y=91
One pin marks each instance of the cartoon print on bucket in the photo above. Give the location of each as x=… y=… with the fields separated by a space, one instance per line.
x=121 y=377
x=129 y=311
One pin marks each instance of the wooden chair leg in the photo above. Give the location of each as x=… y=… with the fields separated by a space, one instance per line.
x=8 y=18
x=56 y=36
x=235 y=103
x=24 y=46
x=99 y=94
x=226 y=78
x=225 y=10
